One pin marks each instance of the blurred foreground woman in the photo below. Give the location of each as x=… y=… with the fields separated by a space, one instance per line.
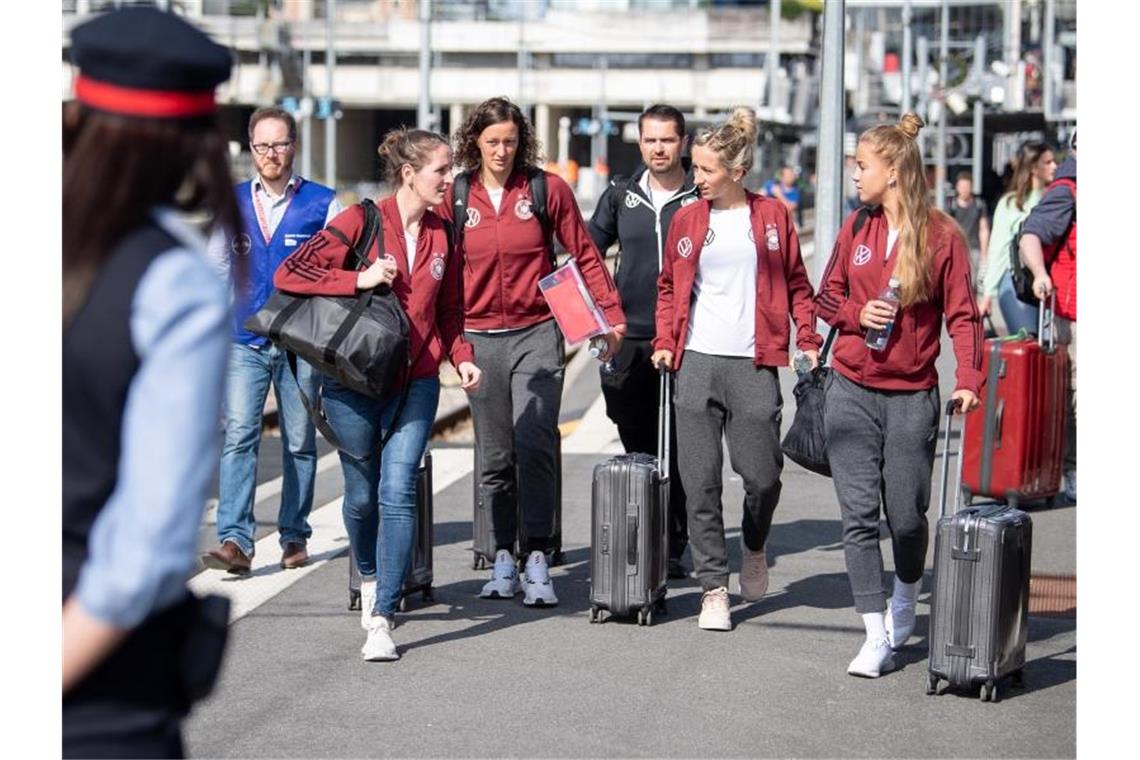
x=144 y=348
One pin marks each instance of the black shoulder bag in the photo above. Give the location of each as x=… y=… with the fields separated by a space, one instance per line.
x=806 y=443
x=360 y=341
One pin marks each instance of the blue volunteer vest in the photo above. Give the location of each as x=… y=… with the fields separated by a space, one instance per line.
x=304 y=217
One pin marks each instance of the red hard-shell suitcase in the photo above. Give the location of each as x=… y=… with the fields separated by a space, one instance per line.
x=1014 y=448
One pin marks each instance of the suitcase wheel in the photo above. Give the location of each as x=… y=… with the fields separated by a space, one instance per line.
x=645 y=616
x=353 y=600
x=931 y=684
x=479 y=563
x=403 y=605
x=595 y=614
x=988 y=692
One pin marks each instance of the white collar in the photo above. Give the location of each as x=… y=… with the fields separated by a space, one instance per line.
x=175 y=223
x=294 y=182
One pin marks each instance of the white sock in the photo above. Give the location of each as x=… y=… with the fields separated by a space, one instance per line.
x=906 y=594
x=875 y=623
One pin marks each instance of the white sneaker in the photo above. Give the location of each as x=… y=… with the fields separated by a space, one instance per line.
x=504 y=583
x=367 y=602
x=873 y=660
x=1069 y=485
x=714 y=610
x=538 y=591
x=379 y=645
x=899 y=622
x=753 y=573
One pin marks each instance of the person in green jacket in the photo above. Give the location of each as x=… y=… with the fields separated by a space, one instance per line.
x=1034 y=168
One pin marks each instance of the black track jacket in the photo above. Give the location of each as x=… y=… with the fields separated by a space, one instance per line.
x=624 y=213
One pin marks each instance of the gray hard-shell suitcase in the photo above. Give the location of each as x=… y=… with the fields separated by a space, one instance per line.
x=419 y=577
x=629 y=548
x=979 y=608
x=482 y=535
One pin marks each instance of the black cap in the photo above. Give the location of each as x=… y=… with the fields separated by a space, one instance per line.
x=147 y=62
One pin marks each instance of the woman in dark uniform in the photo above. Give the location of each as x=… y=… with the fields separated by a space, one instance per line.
x=144 y=346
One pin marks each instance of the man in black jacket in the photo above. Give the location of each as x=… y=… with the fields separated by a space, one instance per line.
x=636 y=212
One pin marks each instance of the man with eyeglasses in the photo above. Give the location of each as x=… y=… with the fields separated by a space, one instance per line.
x=280 y=210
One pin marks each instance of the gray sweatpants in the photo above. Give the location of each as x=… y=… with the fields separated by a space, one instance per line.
x=881 y=448
x=726 y=396
x=515 y=412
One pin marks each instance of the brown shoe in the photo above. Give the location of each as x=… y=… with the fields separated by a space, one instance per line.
x=227 y=557
x=293 y=556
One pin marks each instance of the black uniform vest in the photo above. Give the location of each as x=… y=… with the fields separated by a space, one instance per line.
x=99 y=363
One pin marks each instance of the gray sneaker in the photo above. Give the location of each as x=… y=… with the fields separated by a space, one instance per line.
x=504 y=583
x=753 y=573
x=538 y=590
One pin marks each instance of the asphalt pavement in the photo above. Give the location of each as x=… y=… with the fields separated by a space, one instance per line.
x=490 y=678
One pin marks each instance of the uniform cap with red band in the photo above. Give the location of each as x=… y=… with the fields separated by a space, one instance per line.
x=147 y=63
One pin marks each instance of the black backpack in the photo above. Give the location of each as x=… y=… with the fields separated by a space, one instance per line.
x=536 y=180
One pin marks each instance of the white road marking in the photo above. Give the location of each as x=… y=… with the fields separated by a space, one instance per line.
x=329 y=540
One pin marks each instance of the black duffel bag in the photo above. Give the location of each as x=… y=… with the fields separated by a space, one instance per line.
x=360 y=341
x=806 y=444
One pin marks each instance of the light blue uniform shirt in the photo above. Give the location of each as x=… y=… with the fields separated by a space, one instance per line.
x=143 y=544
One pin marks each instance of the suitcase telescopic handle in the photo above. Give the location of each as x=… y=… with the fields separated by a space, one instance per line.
x=664 y=420
x=1046 y=323
x=951 y=406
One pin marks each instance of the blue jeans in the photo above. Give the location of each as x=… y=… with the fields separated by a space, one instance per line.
x=1017 y=315
x=381 y=484
x=248 y=374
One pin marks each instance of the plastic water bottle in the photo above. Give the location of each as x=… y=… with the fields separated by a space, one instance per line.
x=597 y=348
x=877 y=339
x=802 y=363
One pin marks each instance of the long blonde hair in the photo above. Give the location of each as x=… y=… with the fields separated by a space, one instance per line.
x=896 y=145
x=734 y=141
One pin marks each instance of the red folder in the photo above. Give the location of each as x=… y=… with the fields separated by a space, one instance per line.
x=574 y=309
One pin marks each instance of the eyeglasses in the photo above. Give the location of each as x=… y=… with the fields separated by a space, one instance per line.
x=278 y=147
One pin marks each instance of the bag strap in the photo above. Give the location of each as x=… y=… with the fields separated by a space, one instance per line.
x=536 y=179
x=321 y=422
x=826 y=346
x=860 y=219
x=460 y=195
x=316 y=409
x=373 y=228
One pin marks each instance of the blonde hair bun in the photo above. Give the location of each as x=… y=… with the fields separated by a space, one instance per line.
x=743 y=121
x=910 y=123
